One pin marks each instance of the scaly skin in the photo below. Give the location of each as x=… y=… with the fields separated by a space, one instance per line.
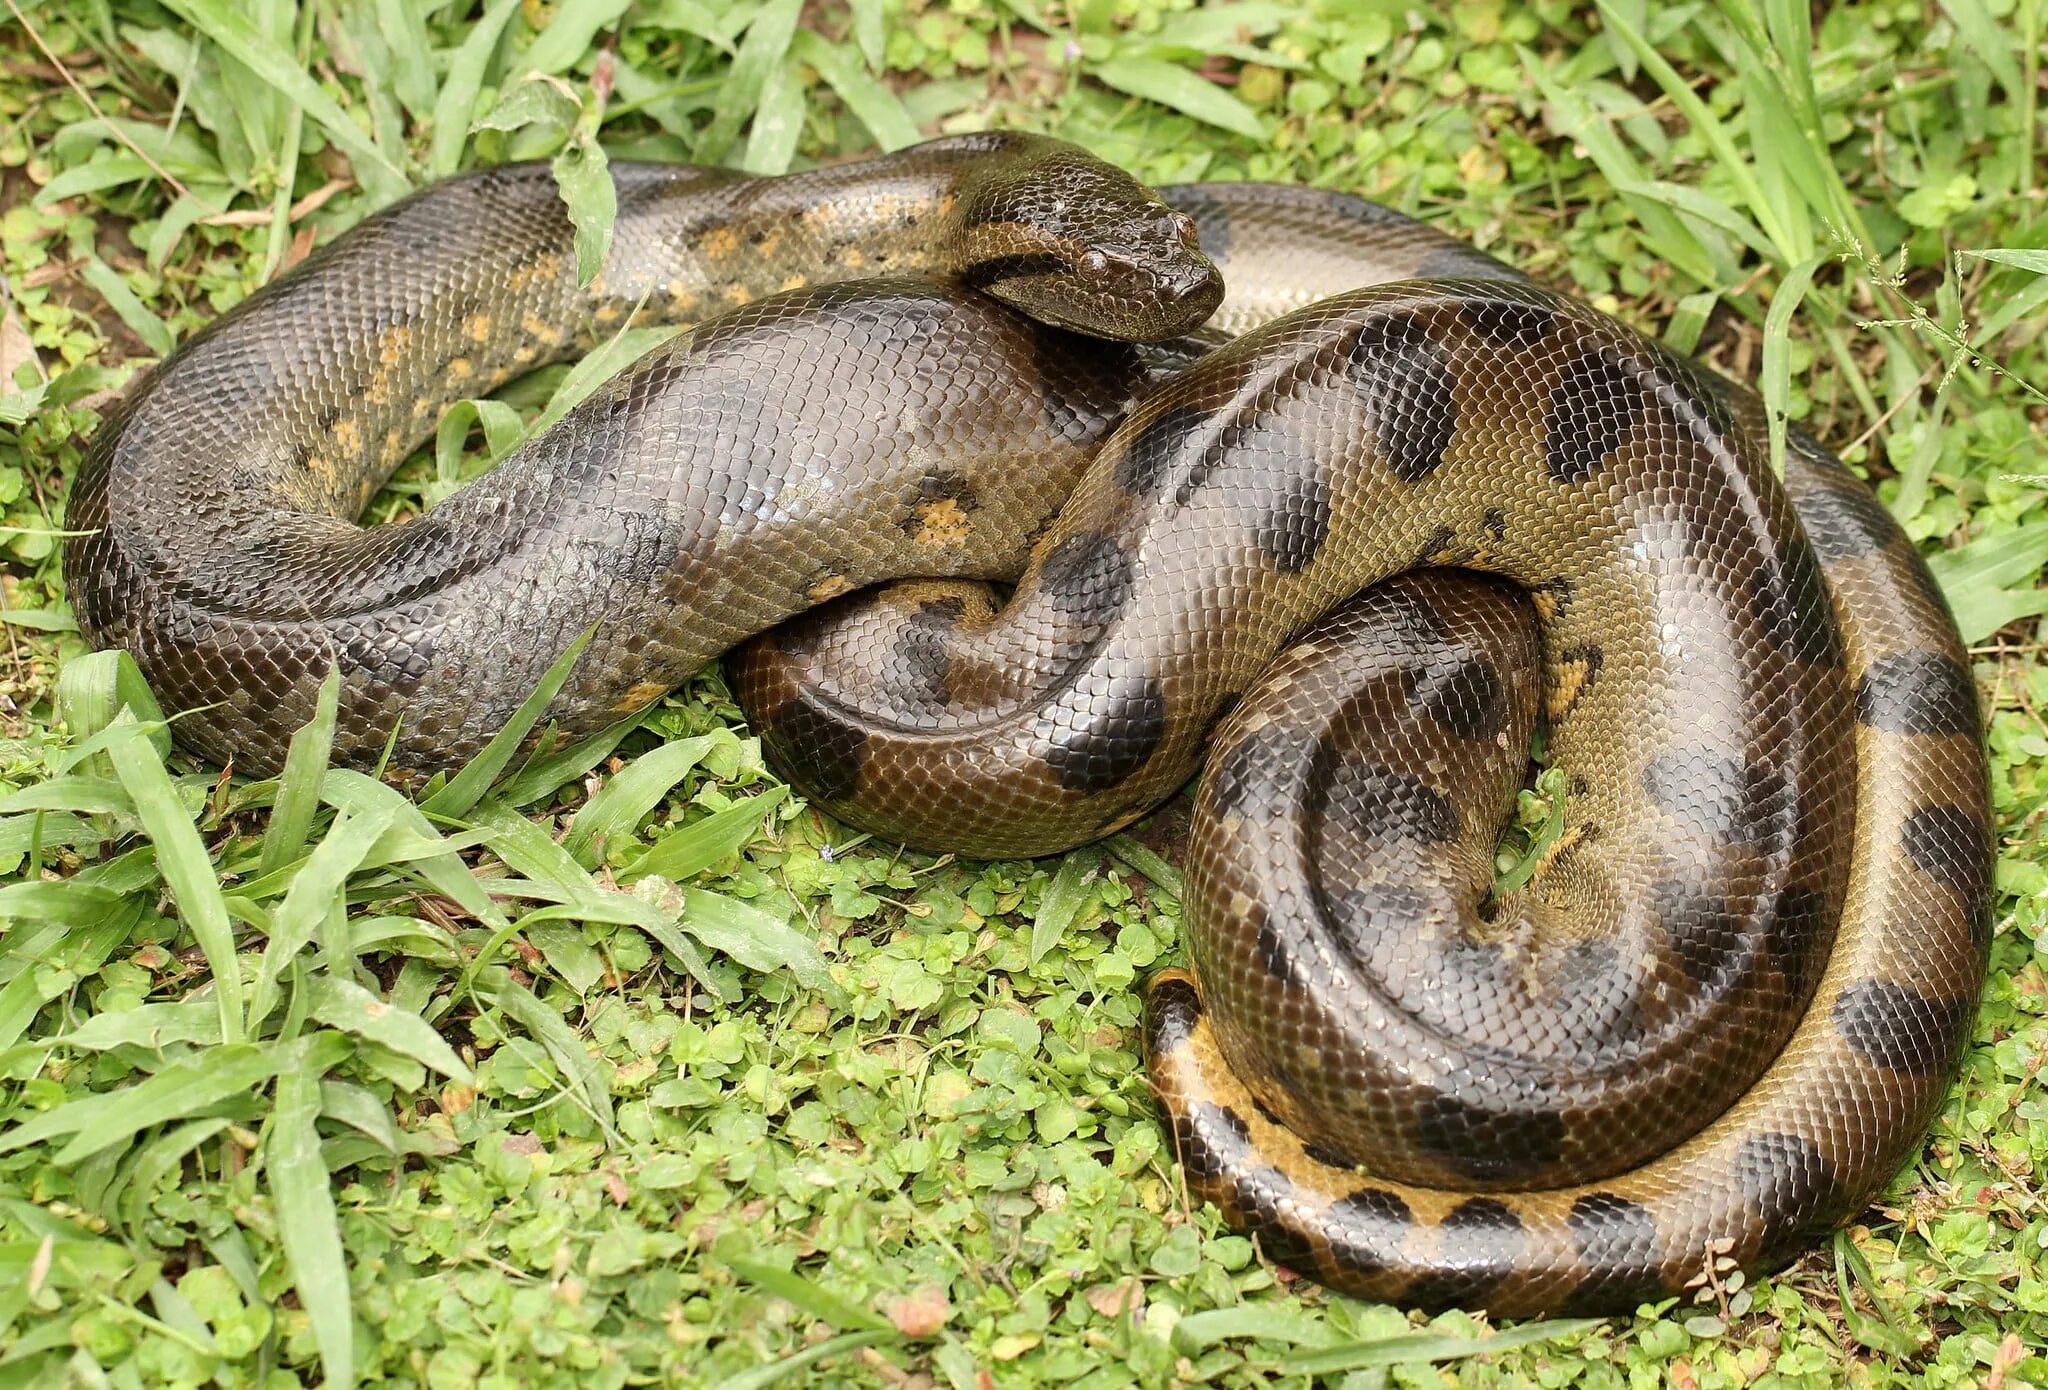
x=1722 y=1010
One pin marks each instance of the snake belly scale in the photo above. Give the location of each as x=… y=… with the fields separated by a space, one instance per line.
x=1418 y=510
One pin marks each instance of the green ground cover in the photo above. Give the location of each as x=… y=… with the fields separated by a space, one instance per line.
x=632 y=1069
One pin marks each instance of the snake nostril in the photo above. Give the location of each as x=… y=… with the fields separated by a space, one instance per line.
x=1184 y=229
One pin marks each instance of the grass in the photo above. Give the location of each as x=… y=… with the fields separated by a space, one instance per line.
x=630 y=1068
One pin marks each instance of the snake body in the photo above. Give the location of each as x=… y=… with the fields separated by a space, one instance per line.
x=1713 y=1021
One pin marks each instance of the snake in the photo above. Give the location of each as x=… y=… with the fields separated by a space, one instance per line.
x=1015 y=489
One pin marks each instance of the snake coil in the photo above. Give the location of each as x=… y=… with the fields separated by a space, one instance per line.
x=1416 y=514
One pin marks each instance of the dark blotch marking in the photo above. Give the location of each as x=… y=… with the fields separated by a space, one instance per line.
x=1790 y=601
x=1495 y=523
x=1950 y=846
x=1394 y=805
x=1459 y=692
x=1437 y=546
x=919 y=669
x=1175 y=1009
x=1152 y=451
x=1211 y=1140
x=1366 y=1228
x=1617 y=1244
x=1257 y=772
x=1845 y=521
x=816 y=749
x=1329 y=1155
x=1279 y=1244
x=1274 y=957
x=1088 y=577
x=1918 y=693
x=1791 y=1186
x=1508 y=324
x=1592 y=409
x=1404 y=384
x=1901 y=1029
x=1723 y=798
x=1709 y=939
x=1799 y=929
x=1482 y=1243
x=1375 y=909
x=1298 y=523
x=1487 y=1145
x=943 y=486
x=1119 y=735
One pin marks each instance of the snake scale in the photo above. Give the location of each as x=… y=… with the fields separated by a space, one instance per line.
x=1410 y=514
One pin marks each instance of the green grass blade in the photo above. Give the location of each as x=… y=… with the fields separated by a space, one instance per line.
x=237 y=34
x=553 y=1032
x=1062 y=899
x=320 y=884
x=186 y=867
x=468 y=786
x=179 y=1091
x=695 y=848
x=1777 y=372
x=455 y=105
x=154 y=332
x=609 y=817
x=760 y=54
x=754 y=938
x=307 y=1227
x=1171 y=85
x=872 y=103
x=808 y=1297
x=298 y=788
x=353 y=1009
x=1429 y=1347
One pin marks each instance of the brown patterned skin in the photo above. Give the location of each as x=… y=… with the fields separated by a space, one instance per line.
x=1769 y=902
x=1728 y=1003
x=807 y=443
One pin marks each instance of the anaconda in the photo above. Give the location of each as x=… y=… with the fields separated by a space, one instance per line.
x=1715 y=1019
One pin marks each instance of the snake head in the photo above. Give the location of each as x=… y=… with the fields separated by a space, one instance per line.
x=1080 y=244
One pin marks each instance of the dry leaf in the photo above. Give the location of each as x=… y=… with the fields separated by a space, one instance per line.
x=919 y=1313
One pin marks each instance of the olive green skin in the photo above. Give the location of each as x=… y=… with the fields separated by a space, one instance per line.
x=1724 y=1008
x=731 y=478
x=1727 y=1004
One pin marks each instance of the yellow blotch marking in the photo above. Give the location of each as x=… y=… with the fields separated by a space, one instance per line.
x=477 y=327
x=940 y=522
x=795 y=282
x=348 y=436
x=377 y=391
x=639 y=696
x=830 y=587
x=1546 y=603
x=947 y=202
x=607 y=313
x=541 y=268
x=538 y=328
x=394 y=442
x=719 y=243
x=460 y=369
x=1566 y=841
x=524 y=355
x=738 y=294
x=769 y=243
x=1572 y=679
x=853 y=258
x=391 y=348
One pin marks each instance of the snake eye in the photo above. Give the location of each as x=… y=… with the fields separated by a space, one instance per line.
x=1184 y=228
x=1094 y=262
